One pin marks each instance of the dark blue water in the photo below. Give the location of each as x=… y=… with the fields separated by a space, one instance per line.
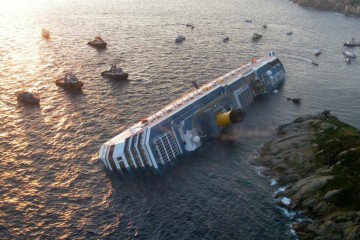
x=51 y=183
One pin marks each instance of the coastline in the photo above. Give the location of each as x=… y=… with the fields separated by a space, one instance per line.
x=348 y=7
x=315 y=160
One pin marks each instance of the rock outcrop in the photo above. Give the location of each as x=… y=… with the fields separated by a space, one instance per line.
x=317 y=159
x=351 y=7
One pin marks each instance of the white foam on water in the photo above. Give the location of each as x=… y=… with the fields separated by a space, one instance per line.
x=287 y=213
x=293 y=233
x=286 y=201
x=273 y=182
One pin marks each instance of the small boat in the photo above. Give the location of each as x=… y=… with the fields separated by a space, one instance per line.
x=226 y=39
x=264 y=26
x=248 y=20
x=190 y=26
x=98 y=42
x=70 y=81
x=28 y=97
x=317 y=52
x=179 y=39
x=45 y=33
x=349 y=54
x=294 y=100
x=314 y=63
x=289 y=33
x=352 y=43
x=256 y=36
x=115 y=73
x=348 y=60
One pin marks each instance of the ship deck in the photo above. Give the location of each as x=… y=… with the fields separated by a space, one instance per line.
x=189 y=98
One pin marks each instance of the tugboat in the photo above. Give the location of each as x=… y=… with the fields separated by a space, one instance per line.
x=226 y=39
x=179 y=39
x=98 y=42
x=28 y=97
x=115 y=73
x=45 y=33
x=256 y=36
x=70 y=81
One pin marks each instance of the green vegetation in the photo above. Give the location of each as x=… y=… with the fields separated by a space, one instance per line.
x=339 y=148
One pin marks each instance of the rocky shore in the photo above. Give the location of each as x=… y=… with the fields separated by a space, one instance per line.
x=316 y=159
x=351 y=7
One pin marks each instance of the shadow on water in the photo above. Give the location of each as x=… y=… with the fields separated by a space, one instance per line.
x=116 y=83
x=99 y=50
x=73 y=95
x=197 y=159
x=29 y=106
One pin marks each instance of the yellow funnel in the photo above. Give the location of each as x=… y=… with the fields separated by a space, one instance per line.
x=227 y=118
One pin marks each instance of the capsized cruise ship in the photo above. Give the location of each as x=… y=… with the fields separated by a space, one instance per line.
x=185 y=124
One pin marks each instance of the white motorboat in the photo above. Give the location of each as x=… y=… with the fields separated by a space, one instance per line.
x=350 y=54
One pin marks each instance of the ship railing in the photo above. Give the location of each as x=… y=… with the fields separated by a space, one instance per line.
x=194 y=94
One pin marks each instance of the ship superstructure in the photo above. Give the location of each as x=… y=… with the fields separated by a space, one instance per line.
x=187 y=123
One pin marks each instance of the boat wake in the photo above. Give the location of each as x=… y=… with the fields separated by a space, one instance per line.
x=300 y=58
